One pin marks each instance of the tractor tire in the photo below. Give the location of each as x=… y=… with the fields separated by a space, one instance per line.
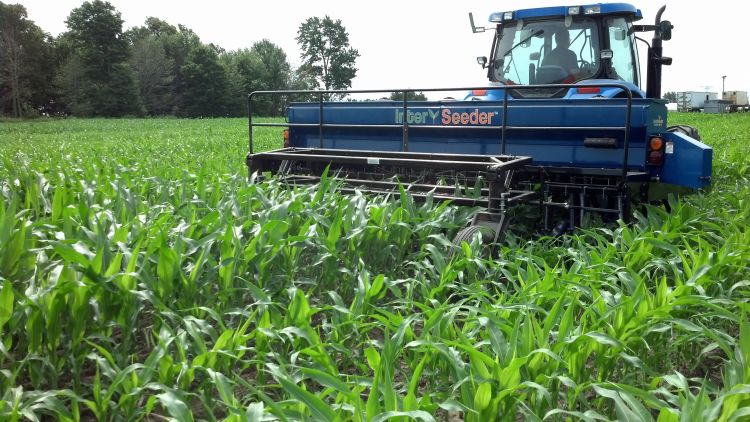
x=686 y=130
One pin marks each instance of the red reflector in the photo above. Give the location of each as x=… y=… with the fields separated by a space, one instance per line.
x=479 y=92
x=589 y=90
x=286 y=138
x=655 y=158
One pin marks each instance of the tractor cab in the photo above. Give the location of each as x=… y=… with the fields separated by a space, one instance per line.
x=570 y=44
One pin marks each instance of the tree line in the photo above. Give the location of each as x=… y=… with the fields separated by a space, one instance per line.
x=96 y=68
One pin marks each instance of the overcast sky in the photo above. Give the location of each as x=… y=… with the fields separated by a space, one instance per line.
x=422 y=44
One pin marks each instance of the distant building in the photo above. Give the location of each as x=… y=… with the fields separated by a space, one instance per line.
x=717 y=106
x=694 y=100
x=738 y=100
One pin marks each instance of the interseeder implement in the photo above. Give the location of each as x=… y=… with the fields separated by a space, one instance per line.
x=563 y=126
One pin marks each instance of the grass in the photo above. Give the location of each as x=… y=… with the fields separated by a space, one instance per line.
x=143 y=277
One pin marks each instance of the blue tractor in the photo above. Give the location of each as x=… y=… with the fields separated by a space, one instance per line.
x=564 y=125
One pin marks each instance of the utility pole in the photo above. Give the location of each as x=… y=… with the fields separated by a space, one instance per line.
x=722 y=86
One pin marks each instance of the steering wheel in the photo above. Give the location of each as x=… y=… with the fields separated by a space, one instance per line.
x=585 y=67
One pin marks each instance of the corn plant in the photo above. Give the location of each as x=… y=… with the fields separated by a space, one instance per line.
x=143 y=276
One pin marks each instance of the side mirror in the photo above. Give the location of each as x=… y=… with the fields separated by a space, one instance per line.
x=666 y=30
x=482 y=61
x=534 y=56
x=475 y=29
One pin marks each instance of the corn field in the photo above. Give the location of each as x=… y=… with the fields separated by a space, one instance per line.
x=143 y=278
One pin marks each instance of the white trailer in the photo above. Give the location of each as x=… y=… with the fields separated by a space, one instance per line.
x=694 y=100
x=737 y=99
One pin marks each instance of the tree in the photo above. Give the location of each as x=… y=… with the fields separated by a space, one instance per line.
x=410 y=96
x=12 y=24
x=275 y=68
x=264 y=67
x=206 y=84
x=161 y=95
x=302 y=80
x=326 y=53
x=670 y=96
x=73 y=80
x=243 y=69
x=95 y=33
x=153 y=71
x=26 y=62
x=153 y=27
x=178 y=46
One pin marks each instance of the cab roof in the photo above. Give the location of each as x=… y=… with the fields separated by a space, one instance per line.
x=562 y=11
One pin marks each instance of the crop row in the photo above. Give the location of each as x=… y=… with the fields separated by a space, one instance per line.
x=143 y=276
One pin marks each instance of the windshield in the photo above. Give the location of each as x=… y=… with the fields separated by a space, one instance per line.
x=546 y=52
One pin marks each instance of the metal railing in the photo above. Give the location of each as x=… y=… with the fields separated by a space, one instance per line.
x=321 y=125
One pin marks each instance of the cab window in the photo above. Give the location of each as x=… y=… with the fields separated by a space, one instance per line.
x=623 y=57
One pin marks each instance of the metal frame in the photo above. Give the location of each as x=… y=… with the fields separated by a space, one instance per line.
x=304 y=165
x=405 y=124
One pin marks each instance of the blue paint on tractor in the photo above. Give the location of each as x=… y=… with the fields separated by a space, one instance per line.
x=573 y=129
x=474 y=127
x=562 y=11
x=687 y=162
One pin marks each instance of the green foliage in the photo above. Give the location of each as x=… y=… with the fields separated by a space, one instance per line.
x=152 y=27
x=159 y=52
x=142 y=276
x=96 y=33
x=96 y=69
x=326 y=52
x=153 y=71
x=264 y=67
x=27 y=63
x=205 y=84
x=410 y=96
x=106 y=84
x=275 y=67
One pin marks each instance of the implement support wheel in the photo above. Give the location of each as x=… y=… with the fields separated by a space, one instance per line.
x=467 y=233
x=491 y=233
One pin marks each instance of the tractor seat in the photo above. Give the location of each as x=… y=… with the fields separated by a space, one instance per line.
x=550 y=74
